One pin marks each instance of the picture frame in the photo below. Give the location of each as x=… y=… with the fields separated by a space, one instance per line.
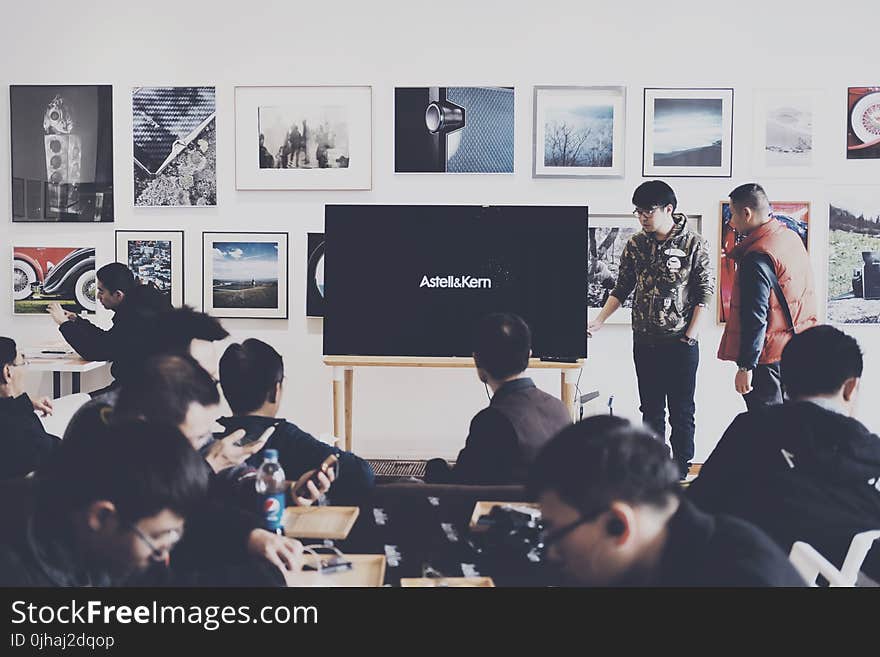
x=313 y=137
x=245 y=274
x=156 y=258
x=315 y=304
x=579 y=132
x=863 y=123
x=687 y=133
x=49 y=273
x=788 y=136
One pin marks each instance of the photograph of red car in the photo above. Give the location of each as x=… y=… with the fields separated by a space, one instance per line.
x=45 y=274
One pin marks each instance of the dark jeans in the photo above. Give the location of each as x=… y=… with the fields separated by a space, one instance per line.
x=766 y=387
x=667 y=375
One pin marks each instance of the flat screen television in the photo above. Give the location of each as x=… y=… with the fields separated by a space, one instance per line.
x=413 y=280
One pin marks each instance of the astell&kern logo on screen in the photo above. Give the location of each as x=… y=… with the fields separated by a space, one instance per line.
x=449 y=281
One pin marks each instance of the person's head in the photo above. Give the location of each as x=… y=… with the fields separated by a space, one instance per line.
x=654 y=203
x=823 y=362
x=251 y=374
x=187 y=332
x=174 y=390
x=749 y=208
x=126 y=493
x=114 y=282
x=607 y=490
x=502 y=346
x=12 y=369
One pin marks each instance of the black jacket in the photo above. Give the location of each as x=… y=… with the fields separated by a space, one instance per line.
x=505 y=437
x=125 y=342
x=299 y=452
x=801 y=473
x=717 y=550
x=756 y=274
x=24 y=442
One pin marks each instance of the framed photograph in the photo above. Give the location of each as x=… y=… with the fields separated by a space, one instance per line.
x=45 y=274
x=787 y=143
x=303 y=138
x=245 y=275
x=579 y=132
x=608 y=234
x=174 y=135
x=795 y=215
x=62 y=152
x=688 y=133
x=453 y=129
x=315 y=275
x=155 y=258
x=854 y=257
x=863 y=123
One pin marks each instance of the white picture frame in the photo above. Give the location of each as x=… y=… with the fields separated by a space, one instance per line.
x=789 y=139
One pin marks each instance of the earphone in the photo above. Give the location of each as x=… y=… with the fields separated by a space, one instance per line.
x=615 y=527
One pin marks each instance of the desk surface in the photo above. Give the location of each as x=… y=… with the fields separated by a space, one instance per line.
x=418 y=361
x=57 y=363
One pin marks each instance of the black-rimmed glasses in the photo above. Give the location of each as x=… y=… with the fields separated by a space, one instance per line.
x=157 y=553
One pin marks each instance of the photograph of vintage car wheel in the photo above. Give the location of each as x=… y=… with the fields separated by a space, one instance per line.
x=43 y=275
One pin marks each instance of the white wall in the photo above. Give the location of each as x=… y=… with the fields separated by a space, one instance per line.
x=413 y=412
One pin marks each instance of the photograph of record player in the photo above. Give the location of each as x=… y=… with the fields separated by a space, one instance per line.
x=863 y=123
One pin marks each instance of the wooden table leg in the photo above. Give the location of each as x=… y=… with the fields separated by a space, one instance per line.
x=568 y=390
x=349 y=402
x=337 y=398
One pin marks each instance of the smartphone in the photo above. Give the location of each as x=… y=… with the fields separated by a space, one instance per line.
x=330 y=462
x=254 y=436
x=330 y=565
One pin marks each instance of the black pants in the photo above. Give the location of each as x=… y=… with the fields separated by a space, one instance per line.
x=766 y=387
x=667 y=375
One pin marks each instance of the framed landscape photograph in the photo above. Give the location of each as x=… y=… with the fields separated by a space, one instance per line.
x=245 y=275
x=62 y=153
x=688 y=133
x=454 y=129
x=155 y=258
x=579 y=132
x=854 y=256
x=795 y=215
x=787 y=143
x=303 y=138
x=315 y=275
x=174 y=135
x=863 y=123
x=47 y=274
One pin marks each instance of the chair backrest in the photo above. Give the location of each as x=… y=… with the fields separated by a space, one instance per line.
x=810 y=564
x=858 y=551
x=63 y=410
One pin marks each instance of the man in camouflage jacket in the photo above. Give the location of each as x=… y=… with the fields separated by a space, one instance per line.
x=667 y=266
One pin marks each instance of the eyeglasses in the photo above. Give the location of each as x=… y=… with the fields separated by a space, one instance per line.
x=644 y=213
x=548 y=538
x=157 y=553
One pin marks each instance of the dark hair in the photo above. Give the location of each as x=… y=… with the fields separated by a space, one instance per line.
x=604 y=459
x=163 y=388
x=819 y=361
x=654 y=193
x=750 y=195
x=177 y=328
x=8 y=352
x=249 y=373
x=142 y=467
x=116 y=277
x=502 y=342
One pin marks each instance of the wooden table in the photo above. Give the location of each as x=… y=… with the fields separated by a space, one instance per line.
x=343 y=380
x=58 y=364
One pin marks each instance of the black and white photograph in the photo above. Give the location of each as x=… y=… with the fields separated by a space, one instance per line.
x=245 y=275
x=688 y=132
x=62 y=153
x=787 y=143
x=315 y=275
x=303 y=138
x=579 y=132
x=453 y=129
x=174 y=134
x=156 y=260
x=608 y=234
x=854 y=257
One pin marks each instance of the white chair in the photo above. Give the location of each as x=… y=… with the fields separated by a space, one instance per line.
x=858 y=551
x=63 y=410
x=810 y=564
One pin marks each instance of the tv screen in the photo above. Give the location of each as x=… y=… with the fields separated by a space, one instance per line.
x=404 y=280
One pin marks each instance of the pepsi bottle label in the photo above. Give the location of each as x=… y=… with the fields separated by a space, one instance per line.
x=273 y=512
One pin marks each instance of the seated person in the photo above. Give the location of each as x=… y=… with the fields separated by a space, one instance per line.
x=23 y=439
x=614 y=516
x=504 y=437
x=252 y=377
x=134 y=308
x=804 y=470
x=118 y=509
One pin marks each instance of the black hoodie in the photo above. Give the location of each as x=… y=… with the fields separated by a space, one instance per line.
x=800 y=472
